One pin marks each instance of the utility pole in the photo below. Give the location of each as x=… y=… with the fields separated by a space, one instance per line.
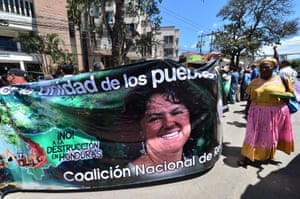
x=212 y=34
x=201 y=43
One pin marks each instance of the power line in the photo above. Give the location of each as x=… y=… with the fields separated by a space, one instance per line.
x=172 y=22
x=187 y=21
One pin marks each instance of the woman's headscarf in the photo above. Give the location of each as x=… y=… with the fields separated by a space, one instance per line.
x=270 y=60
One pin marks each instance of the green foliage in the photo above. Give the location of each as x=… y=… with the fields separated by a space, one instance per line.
x=7 y=132
x=46 y=45
x=31 y=42
x=295 y=63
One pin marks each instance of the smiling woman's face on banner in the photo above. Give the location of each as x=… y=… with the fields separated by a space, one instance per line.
x=166 y=127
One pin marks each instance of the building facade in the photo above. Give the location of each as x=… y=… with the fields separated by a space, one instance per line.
x=167 y=43
x=15 y=16
x=23 y=16
x=52 y=17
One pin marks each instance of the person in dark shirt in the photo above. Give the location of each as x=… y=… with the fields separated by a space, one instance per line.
x=235 y=81
x=67 y=70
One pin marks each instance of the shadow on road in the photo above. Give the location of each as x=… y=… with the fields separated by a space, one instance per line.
x=241 y=112
x=233 y=154
x=237 y=124
x=279 y=184
x=283 y=183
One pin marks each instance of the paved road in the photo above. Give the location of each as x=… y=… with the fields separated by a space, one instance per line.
x=226 y=180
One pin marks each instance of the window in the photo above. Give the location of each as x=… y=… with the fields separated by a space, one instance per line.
x=22 y=9
x=17 y=7
x=7 y=43
x=27 y=7
x=168 y=52
x=12 y=5
x=6 y=5
x=130 y=27
x=32 y=10
x=168 y=39
x=110 y=17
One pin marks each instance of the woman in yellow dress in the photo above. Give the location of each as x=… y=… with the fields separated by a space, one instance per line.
x=269 y=125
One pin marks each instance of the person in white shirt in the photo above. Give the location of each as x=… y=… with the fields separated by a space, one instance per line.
x=287 y=70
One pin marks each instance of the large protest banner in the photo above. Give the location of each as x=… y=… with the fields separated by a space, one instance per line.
x=127 y=126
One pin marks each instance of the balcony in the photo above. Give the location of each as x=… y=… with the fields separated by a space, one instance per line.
x=16 y=22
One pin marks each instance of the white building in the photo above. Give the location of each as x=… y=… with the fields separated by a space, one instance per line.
x=15 y=18
x=168 y=43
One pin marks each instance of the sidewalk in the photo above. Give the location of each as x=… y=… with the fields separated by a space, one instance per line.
x=226 y=180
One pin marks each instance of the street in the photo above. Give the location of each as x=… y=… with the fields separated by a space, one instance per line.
x=279 y=178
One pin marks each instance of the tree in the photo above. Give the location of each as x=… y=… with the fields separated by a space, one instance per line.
x=251 y=24
x=47 y=46
x=114 y=22
x=79 y=17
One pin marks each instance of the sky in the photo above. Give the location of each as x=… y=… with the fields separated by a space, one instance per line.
x=196 y=17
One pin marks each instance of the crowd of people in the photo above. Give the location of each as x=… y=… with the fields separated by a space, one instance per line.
x=236 y=80
x=19 y=76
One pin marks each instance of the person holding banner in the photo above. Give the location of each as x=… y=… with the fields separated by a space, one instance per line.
x=167 y=116
x=16 y=76
x=269 y=125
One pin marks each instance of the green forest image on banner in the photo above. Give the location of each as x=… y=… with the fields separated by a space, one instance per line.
x=133 y=125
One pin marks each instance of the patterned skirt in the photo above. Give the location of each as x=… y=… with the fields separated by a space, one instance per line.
x=268 y=128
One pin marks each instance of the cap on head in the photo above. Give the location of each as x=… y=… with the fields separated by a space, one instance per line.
x=17 y=72
x=196 y=59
